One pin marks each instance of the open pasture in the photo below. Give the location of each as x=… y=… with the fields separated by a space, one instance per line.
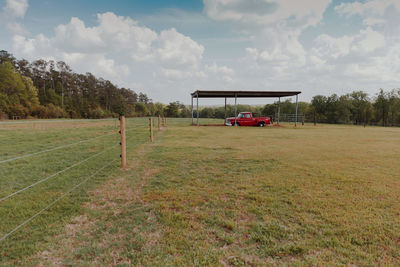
x=311 y=195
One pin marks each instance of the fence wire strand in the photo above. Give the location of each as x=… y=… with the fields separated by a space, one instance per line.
x=55 y=148
x=55 y=174
x=54 y=202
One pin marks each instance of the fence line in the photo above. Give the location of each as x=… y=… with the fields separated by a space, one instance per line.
x=53 y=121
x=52 y=203
x=55 y=174
x=52 y=149
x=287 y=117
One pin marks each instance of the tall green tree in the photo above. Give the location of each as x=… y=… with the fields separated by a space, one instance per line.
x=18 y=95
x=382 y=107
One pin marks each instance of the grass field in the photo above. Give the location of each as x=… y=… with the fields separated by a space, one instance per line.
x=324 y=195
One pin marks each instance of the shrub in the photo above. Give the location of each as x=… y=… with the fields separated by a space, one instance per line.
x=96 y=113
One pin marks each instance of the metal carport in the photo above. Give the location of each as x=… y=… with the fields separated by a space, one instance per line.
x=242 y=94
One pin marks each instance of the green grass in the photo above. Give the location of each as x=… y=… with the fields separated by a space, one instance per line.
x=324 y=195
x=18 y=139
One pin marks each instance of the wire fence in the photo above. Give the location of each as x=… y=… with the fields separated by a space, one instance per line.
x=55 y=174
x=53 y=149
x=53 y=202
x=291 y=118
x=139 y=135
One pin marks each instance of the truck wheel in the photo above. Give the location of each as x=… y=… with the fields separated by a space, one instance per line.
x=261 y=124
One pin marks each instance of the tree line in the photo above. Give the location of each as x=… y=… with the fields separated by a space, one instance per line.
x=49 y=89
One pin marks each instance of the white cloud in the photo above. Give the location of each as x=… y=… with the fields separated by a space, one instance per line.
x=362 y=44
x=76 y=36
x=384 y=13
x=368 y=41
x=274 y=28
x=123 y=33
x=224 y=72
x=177 y=49
x=114 y=36
x=168 y=64
x=12 y=11
x=329 y=47
x=120 y=49
x=370 y=7
x=214 y=68
x=366 y=58
x=16 y=8
x=278 y=59
x=384 y=68
x=177 y=74
x=267 y=12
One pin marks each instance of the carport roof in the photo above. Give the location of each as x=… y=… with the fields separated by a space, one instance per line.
x=221 y=94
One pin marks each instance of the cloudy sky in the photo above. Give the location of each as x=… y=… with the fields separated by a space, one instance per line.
x=169 y=48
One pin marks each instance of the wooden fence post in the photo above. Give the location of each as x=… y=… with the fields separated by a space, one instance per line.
x=159 y=123
x=123 y=142
x=166 y=122
x=151 y=129
x=163 y=121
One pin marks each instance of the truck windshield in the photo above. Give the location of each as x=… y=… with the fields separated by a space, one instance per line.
x=240 y=115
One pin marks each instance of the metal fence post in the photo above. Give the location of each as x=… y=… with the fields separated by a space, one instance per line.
x=123 y=142
x=235 y=109
x=151 y=129
x=297 y=106
x=279 y=109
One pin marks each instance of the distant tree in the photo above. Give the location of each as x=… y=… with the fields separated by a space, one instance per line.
x=18 y=95
x=159 y=109
x=78 y=95
x=394 y=107
x=141 y=109
x=359 y=100
x=143 y=98
x=269 y=109
x=344 y=109
x=172 y=110
x=207 y=113
x=332 y=109
x=382 y=107
x=7 y=57
x=318 y=102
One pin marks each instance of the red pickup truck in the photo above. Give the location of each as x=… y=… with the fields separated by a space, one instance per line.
x=247 y=119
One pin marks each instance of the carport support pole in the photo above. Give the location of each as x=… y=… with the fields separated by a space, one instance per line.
x=235 y=108
x=279 y=109
x=297 y=107
x=197 y=98
x=192 y=109
x=225 y=109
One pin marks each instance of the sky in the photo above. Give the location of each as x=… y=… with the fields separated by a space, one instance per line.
x=170 y=48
